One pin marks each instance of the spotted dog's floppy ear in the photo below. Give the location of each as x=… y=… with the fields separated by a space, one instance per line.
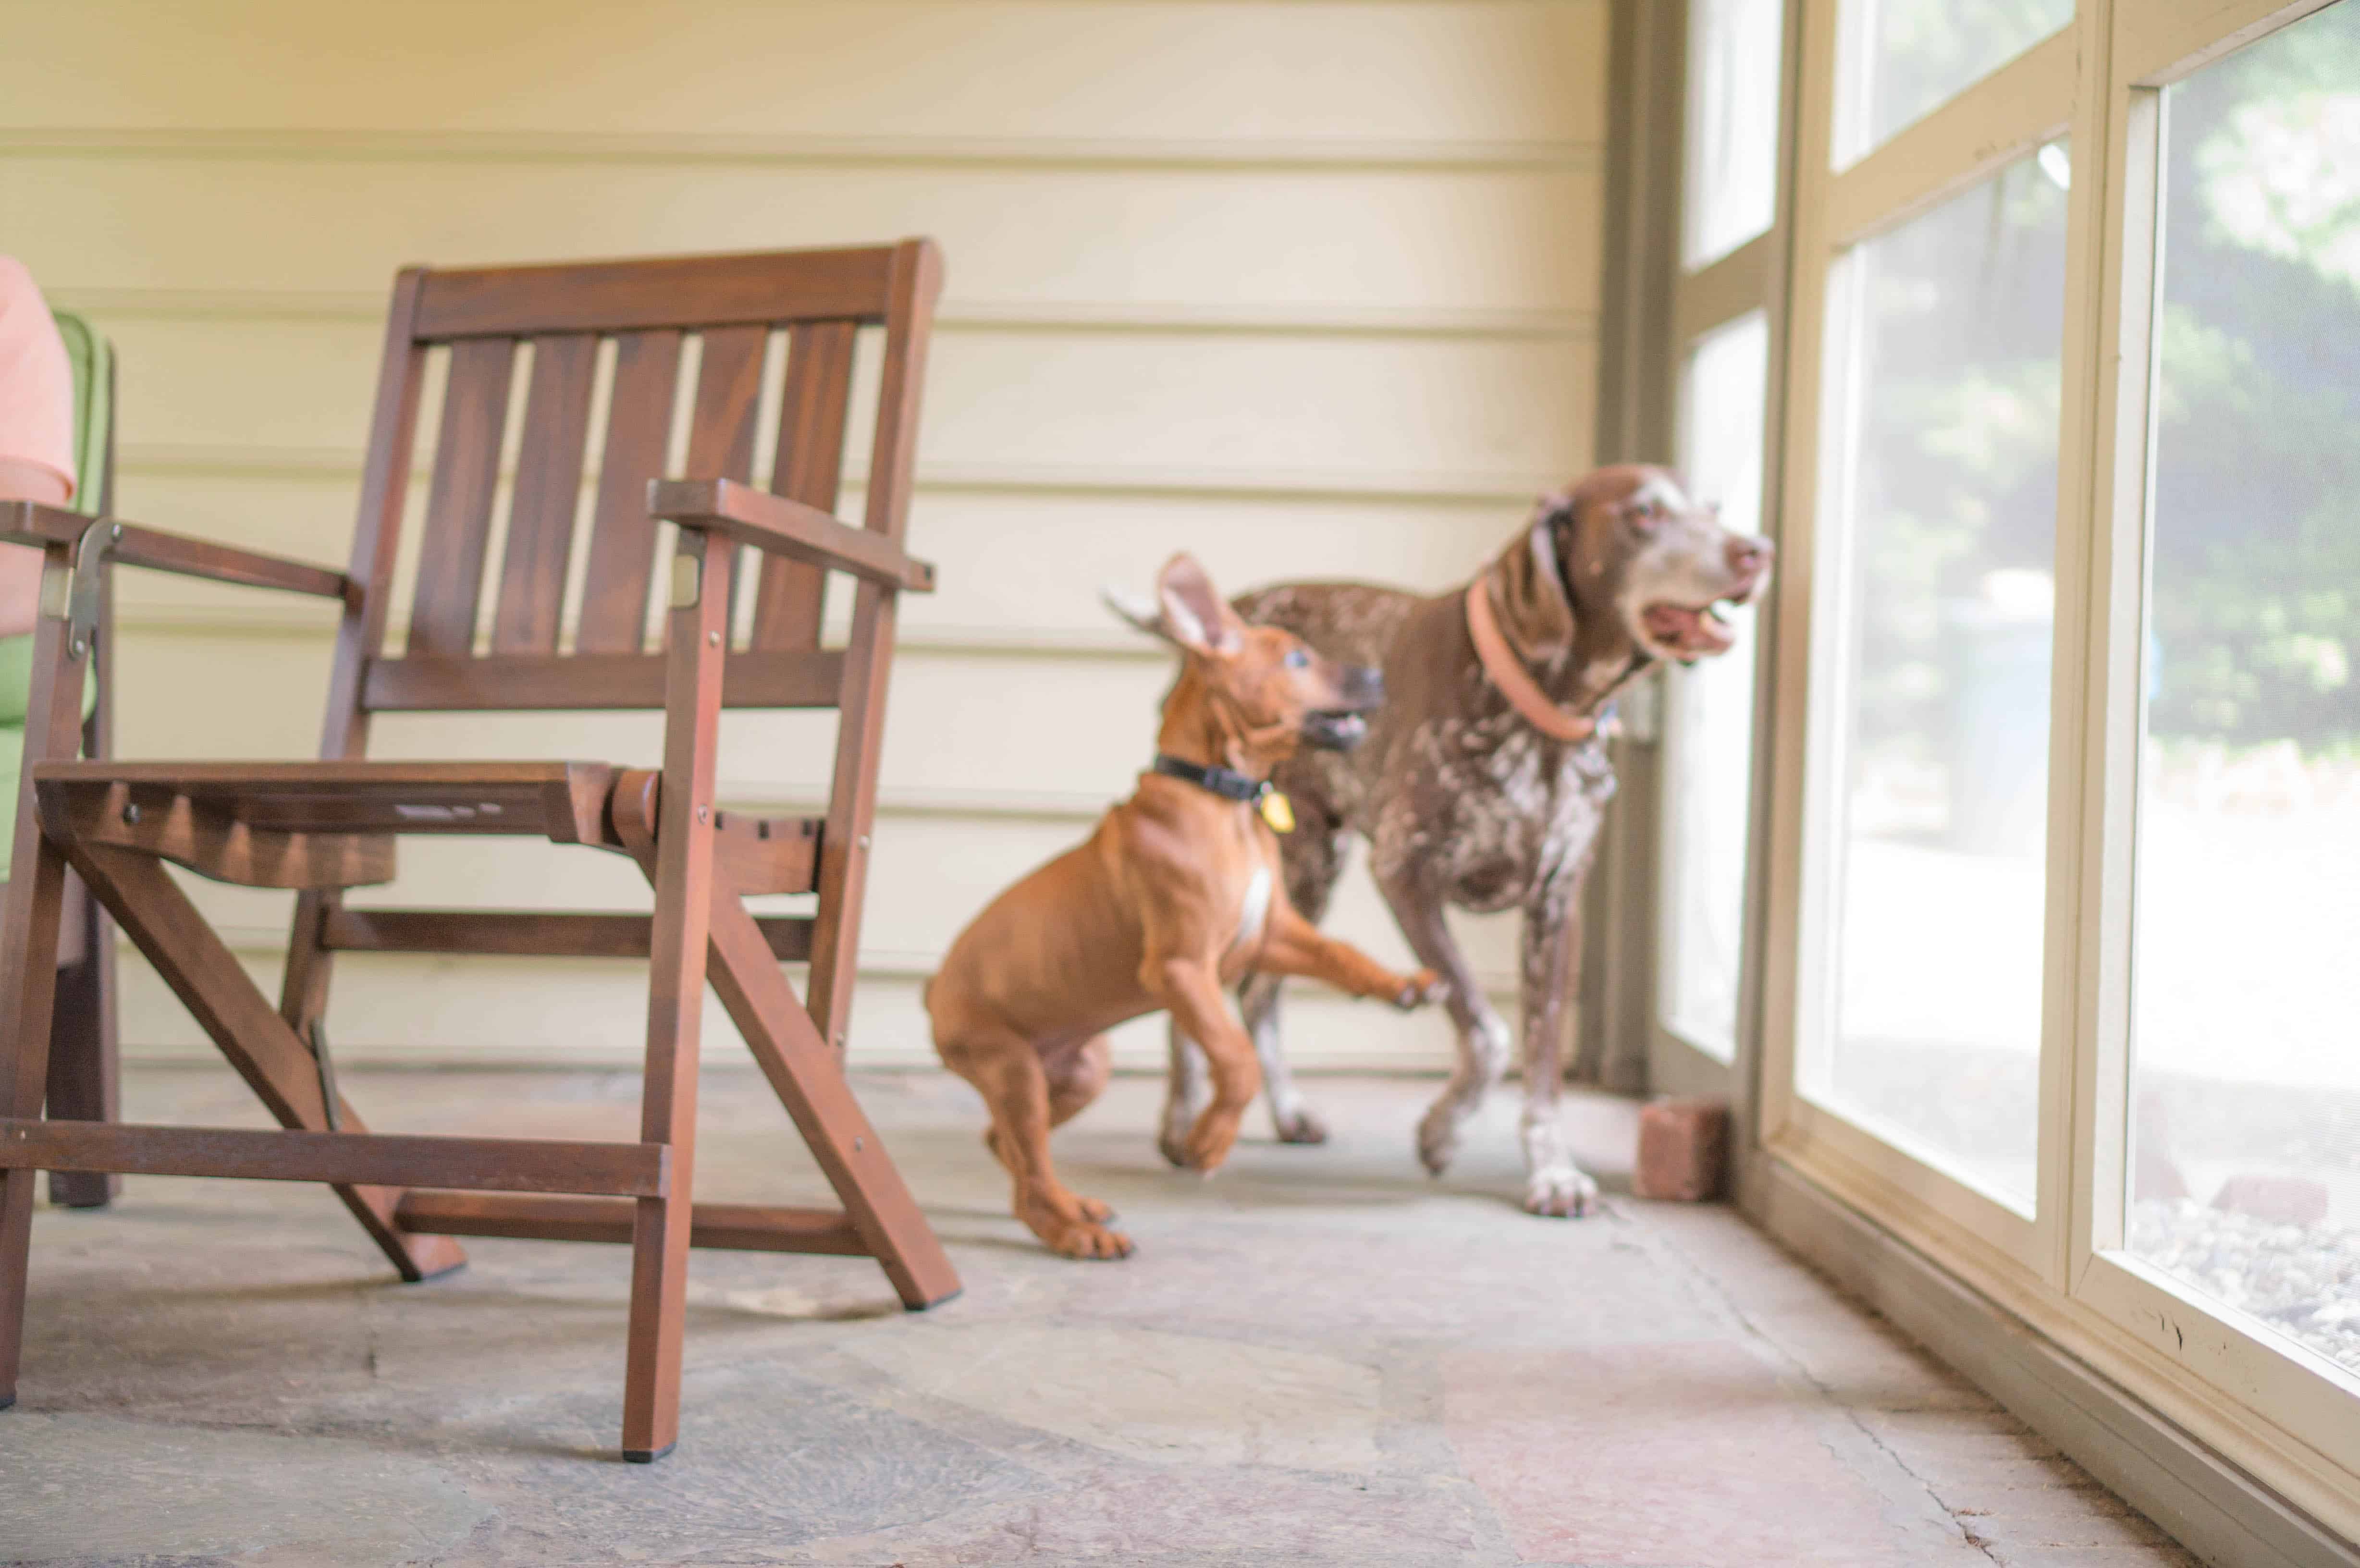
x=1527 y=583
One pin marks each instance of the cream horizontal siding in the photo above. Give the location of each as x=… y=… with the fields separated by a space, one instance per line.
x=1246 y=74
x=1308 y=288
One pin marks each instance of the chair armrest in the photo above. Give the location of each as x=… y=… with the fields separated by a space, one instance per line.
x=29 y=522
x=773 y=523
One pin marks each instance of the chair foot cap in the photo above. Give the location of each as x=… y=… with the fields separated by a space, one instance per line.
x=647 y=1456
x=951 y=1295
x=438 y=1274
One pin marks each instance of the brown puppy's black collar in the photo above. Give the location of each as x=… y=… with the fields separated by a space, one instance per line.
x=1227 y=782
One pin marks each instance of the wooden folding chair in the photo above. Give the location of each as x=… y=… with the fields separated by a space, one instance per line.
x=322 y=827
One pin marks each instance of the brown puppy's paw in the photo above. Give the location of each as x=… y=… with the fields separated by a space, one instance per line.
x=1210 y=1140
x=1423 y=988
x=1096 y=1211
x=1086 y=1241
x=1300 y=1125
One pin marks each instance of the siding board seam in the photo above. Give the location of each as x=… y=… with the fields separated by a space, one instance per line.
x=891 y=965
x=1308 y=319
x=593 y=149
x=160 y=460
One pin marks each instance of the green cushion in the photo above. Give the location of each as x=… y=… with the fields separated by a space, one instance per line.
x=93 y=360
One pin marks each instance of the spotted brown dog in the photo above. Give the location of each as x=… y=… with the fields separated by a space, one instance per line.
x=1482 y=782
x=1174 y=898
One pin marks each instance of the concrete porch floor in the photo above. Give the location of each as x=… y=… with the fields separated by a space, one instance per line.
x=1317 y=1358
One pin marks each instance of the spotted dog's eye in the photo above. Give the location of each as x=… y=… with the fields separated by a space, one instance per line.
x=1296 y=658
x=1644 y=514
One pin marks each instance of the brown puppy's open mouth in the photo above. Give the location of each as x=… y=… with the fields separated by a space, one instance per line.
x=1335 y=729
x=1689 y=634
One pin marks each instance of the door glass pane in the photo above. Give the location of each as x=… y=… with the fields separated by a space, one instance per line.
x=1939 y=491
x=1898 y=60
x=1731 y=145
x=2246 y=1010
x=1709 y=727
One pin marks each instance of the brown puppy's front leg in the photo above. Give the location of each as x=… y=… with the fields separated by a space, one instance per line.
x=1190 y=989
x=1295 y=946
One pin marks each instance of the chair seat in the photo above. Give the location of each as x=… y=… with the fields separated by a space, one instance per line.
x=561 y=801
x=332 y=825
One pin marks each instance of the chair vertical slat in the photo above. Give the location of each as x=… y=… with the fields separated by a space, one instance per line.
x=548 y=493
x=459 y=505
x=788 y=599
x=728 y=392
x=622 y=535
x=728 y=388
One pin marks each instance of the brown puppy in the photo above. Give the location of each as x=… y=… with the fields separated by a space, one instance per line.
x=1483 y=783
x=1175 y=897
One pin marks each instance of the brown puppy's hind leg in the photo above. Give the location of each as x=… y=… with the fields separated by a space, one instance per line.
x=1074 y=1080
x=1008 y=1072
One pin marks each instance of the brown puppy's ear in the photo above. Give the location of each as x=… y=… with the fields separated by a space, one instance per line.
x=1529 y=587
x=1194 y=613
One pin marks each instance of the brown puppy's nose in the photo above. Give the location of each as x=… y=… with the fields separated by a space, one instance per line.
x=1748 y=554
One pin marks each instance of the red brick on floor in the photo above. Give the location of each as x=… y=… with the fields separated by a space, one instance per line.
x=1657 y=1454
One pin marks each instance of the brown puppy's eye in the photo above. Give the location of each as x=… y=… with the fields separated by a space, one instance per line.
x=1296 y=658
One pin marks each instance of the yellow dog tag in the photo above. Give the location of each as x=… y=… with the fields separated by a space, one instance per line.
x=1278 y=812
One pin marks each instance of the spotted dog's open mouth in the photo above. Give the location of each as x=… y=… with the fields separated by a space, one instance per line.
x=1688 y=634
x=1335 y=729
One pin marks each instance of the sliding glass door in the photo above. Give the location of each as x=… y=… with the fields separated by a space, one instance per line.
x=2056 y=947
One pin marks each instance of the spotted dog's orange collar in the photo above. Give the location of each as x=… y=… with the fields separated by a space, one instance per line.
x=1515 y=683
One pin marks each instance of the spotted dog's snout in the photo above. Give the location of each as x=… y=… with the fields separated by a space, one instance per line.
x=1749 y=557
x=1363 y=687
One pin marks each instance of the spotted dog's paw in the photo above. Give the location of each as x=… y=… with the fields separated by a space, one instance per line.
x=1560 y=1192
x=1299 y=1125
x=1438 y=1139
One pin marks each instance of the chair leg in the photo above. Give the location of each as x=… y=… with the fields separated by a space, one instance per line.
x=660 y=1227
x=695 y=633
x=192 y=959
x=30 y=914
x=84 y=1077
x=808 y=1078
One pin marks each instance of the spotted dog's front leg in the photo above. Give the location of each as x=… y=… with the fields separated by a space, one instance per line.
x=1418 y=906
x=1290 y=1116
x=1554 y=1184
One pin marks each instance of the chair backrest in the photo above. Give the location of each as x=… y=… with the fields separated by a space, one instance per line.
x=490 y=634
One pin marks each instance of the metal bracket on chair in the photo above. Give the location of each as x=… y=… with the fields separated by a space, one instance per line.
x=80 y=611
